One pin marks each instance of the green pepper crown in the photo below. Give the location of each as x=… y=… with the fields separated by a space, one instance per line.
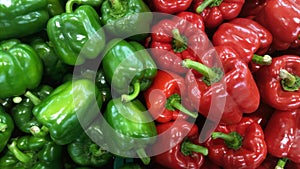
x=187 y=148
x=179 y=43
x=208 y=3
x=289 y=81
x=233 y=140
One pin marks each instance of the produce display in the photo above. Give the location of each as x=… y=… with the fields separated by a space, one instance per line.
x=150 y=84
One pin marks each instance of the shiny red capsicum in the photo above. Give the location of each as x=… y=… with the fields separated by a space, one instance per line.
x=169 y=6
x=184 y=150
x=216 y=12
x=282 y=135
x=279 y=82
x=251 y=8
x=240 y=145
x=272 y=162
x=282 y=19
x=236 y=87
x=181 y=37
x=247 y=37
x=163 y=98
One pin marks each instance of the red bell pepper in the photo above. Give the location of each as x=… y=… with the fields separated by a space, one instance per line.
x=215 y=12
x=282 y=134
x=169 y=6
x=247 y=37
x=184 y=150
x=240 y=145
x=273 y=162
x=279 y=82
x=282 y=19
x=251 y=8
x=178 y=38
x=208 y=164
x=236 y=87
x=163 y=98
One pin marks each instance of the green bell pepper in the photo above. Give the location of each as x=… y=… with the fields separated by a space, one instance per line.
x=128 y=67
x=6 y=128
x=18 y=61
x=84 y=152
x=56 y=7
x=133 y=126
x=22 y=112
x=54 y=68
x=31 y=152
x=122 y=18
x=19 y=18
x=77 y=35
x=131 y=165
x=69 y=108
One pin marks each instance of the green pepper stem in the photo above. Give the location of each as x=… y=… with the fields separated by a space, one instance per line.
x=281 y=163
x=287 y=77
x=96 y=150
x=143 y=156
x=3 y=127
x=24 y=158
x=188 y=147
x=262 y=60
x=116 y=5
x=174 y=102
x=179 y=42
x=206 y=3
x=132 y=96
x=17 y=99
x=33 y=98
x=39 y=132
x=232 y=140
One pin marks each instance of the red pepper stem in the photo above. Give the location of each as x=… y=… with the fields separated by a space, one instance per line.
x=24 y=158
x=188 y=147
x=143 y=156
x=289 y=79
x=179 y=42
x=3 y=127
x=199 y=67
x=34 y=99
x=177 y=105
x=262 y=60
x=281 y=163
x=206 y=3
x=132 y=96
x=232 y=140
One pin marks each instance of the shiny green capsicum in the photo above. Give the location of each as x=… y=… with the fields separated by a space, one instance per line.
x=68 y=109
x=20 y=68
x=133 y=126
x=76 y=35
x=19 y=18
x=6 y=128
x=128 y=67
x=123 y=18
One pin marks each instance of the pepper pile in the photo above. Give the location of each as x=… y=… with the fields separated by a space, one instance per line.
x=178 y=84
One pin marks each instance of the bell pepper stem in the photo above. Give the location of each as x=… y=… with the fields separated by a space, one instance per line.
x=287 y=77
x=96 y=150
x=210 y=75
x=133 y=95
x=232 y=140
x=281 y=163
x=262 y=60
x=3 y=127
x=116 y=5
x=33 y=98
x=24 y=158
x=188 y=148
x=39 y=132
x=179 y=41
x=143 y=156
x=17 y=99
x=207 y=3
x=174 y=101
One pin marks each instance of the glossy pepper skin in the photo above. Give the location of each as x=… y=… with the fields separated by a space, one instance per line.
x=70 y=102
x=54 y=68
x=7 y=127
x=283 y=72
x=184 y=149
x=236 y=79
x=32 y=152
x=18 y=61
x=84 y=152
x=245 y=146
x=169 y=6
x=251 y=8
x=72 y=31
x=128 y=67
x=246 y=36
x=163 y=98
x=280 y=16
x=19 y=18
x=22 y=112
x=284 y=143
x=133 y=127
x=215 y=12
x=178 y=38
x=122 y=18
